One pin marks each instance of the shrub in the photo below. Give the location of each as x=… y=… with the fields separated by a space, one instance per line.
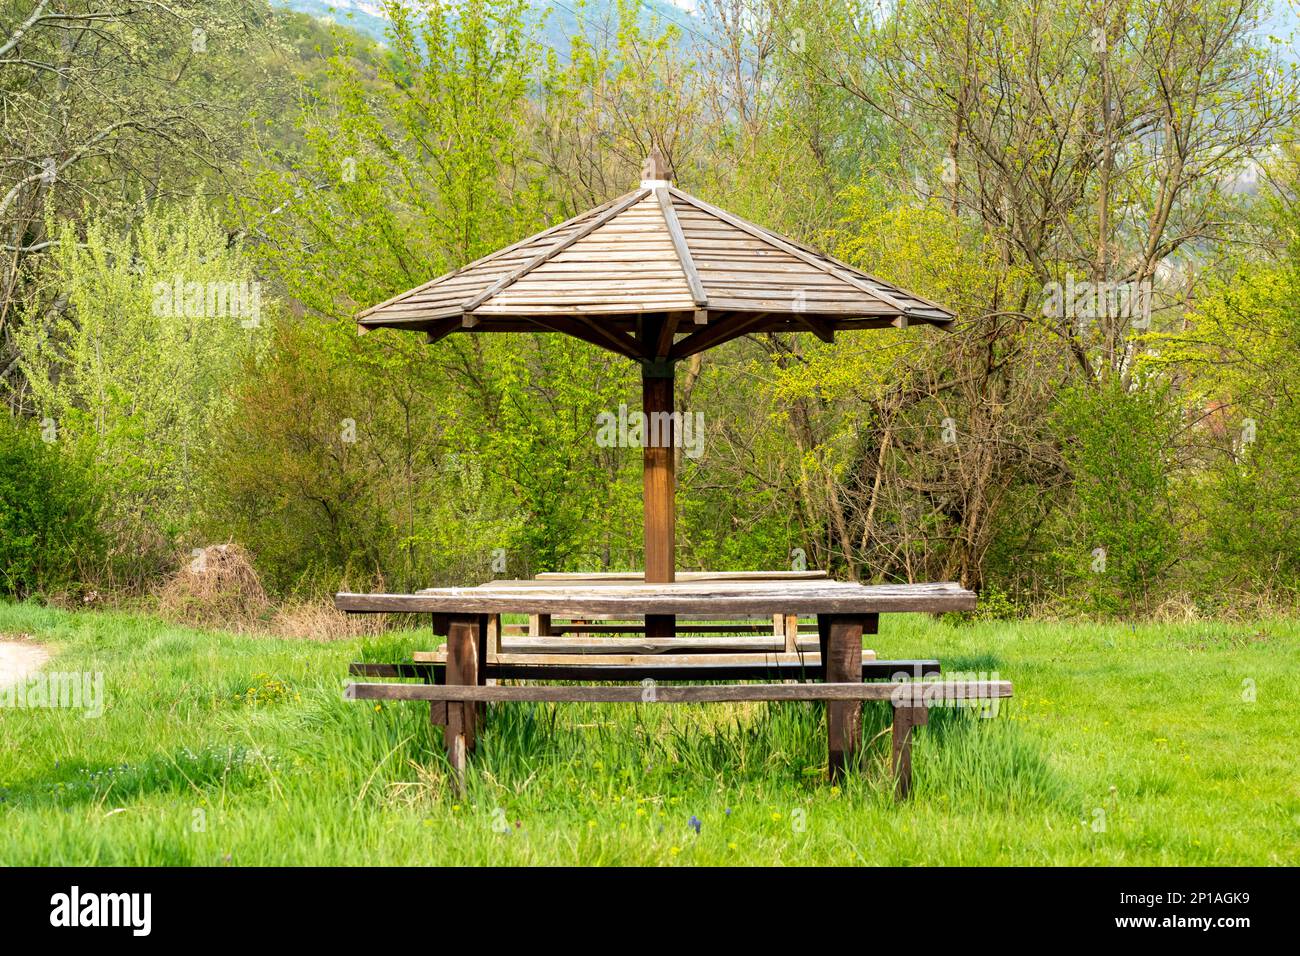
x=49 y=533
x=137 y=366
x=1118 y=443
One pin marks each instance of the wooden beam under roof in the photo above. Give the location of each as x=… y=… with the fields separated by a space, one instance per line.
x=441 y=329
x=589 y=331
x=818 y=327
x=664 y=340
x=716 y=333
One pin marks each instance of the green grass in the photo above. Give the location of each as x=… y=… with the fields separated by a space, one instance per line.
x=222 y=749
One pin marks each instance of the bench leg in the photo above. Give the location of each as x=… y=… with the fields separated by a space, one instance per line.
x=480 y=666
x=841 y=646
x=456 y=757
x=905 y=719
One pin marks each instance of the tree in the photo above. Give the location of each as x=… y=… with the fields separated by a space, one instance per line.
x=134 y=369
x=107 y=108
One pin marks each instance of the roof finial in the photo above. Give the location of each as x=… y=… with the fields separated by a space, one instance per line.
x=655 y=168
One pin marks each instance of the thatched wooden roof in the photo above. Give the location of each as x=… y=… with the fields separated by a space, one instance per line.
x=656 y=273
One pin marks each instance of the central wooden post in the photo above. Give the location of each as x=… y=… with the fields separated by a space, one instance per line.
x=660 y=484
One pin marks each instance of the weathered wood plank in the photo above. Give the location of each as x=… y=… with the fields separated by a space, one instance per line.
x=806 y=658
x=529 y=309
x=456 y=756
x=589 y=332
x=568 y=239
x=659 y=486
x=539 y=239
x=462 y=669
x=594 y=630
x=790 y=629
x=651 y=645
x=842 y=662
x=683 y=250
x=685 y=598
x=817 y=260
x=629 y=577
x=438 y=708
x=654 y=669
x=715 y=334
x=902 y=694
x=906 y=719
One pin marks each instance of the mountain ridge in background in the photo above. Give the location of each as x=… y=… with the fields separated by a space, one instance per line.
x=367 y=16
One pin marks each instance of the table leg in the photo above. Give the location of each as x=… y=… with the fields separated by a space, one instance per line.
x=840 y=638
x=790 y=628
x=493 y=636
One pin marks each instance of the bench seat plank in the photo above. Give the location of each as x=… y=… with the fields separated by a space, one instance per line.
x=649 y=645
x=704 y=671
x=901 y=693
x=805 y=659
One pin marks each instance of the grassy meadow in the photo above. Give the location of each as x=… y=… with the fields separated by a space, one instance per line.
x=1149 y=744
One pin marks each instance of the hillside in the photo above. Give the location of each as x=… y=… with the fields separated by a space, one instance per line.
x=561 y=16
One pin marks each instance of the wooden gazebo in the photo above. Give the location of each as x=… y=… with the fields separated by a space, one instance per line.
x=658 y=275
x=655 y=275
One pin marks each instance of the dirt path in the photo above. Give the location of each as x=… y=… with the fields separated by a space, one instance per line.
x=17 y=660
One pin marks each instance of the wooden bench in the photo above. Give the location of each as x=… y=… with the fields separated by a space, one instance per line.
x=911 y=701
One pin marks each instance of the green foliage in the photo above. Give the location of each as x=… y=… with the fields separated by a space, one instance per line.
x=578 y=501
x=133 y=361
x=357 y=171
x=409 y=167
x=1240 y=359
x=1118 y=444
x=464 y=451
x=997 y=605
x=313 y=470
x=362 y=457
x=49 y=535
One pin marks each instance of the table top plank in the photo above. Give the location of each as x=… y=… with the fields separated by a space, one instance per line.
x=632 y=600
x=624 y=577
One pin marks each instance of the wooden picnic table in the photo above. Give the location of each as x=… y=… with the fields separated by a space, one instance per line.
x=844 y=612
